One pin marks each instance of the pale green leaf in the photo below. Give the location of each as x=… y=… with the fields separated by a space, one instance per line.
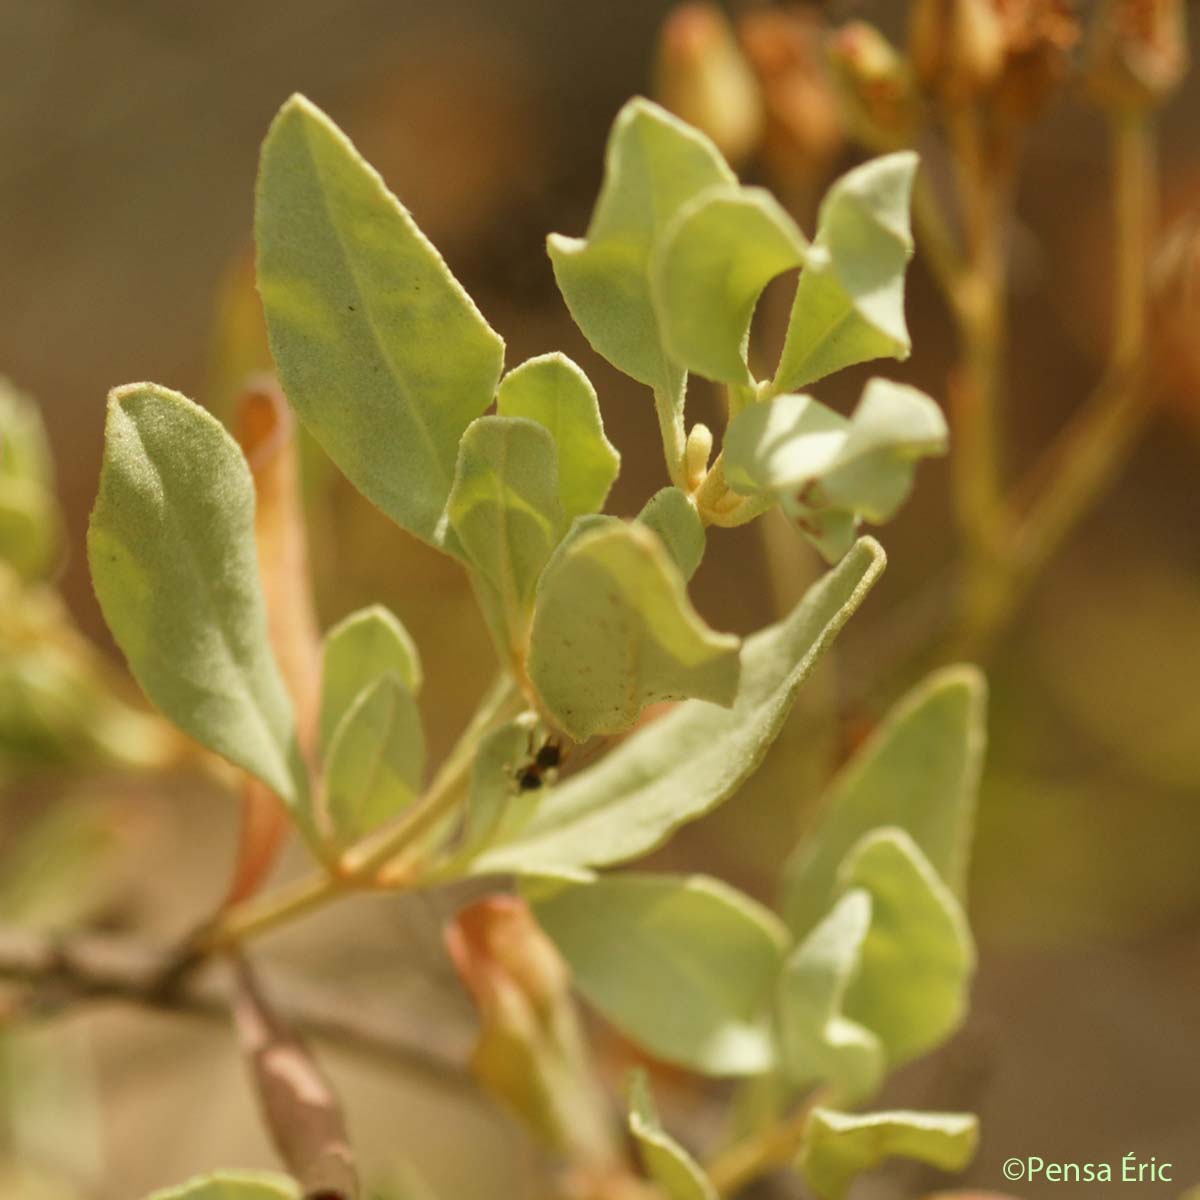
x=380 y=351
x=714 y=260
x=683 y=965
x=614 y=631
x=30 y=521
x=840 y=1145
x=506 y=513
x=693 y=758
x=911 y=988
x=654 y=164
x=891 y=428
x=666 y=1162
x=831 y=472
x=819 y=1041
x=919 y=771
x=849 y=305
x=495 y=801
x=359 y=650
x=233 y=1185
x=174 y=566
x=554 y=392
x=673 y=516
x=375 y=761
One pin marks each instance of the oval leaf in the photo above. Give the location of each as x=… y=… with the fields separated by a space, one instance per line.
x=505 y=511
x=672 y=515
x=383 y=355
x=840 y=1146
x=915 y=967
x=376 y=760
x=714 y=260
x=690 y=760
x=849 y=305
x=665 y=1160
x=555 y=393
x=682 y=965
x=614 y=631
x=359 y=650
x=654 y=164
x=919 y=771
x=174 y=566
x=819 y=1041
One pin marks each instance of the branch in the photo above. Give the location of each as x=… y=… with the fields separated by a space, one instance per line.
x=60 y=973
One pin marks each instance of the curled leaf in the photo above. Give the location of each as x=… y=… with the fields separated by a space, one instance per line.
x=614 y=631
x=672 y=515
x=665 y=1160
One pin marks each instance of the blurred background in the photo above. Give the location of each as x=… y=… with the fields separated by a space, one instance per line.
x=129 y=131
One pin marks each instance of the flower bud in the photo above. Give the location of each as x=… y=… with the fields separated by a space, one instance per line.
x=702 y=76
x=1139 y=52
x=530 y=1052
x=875 y=86
x=697 y=453
x=803 y=132
x=956 y=47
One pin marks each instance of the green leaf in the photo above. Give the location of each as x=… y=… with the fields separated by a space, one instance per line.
x=666 y=1162
x=654 y=164
x=359 y=650
x=919 y=771
x=495 y=802
x=818 y=1040
x=691 y=759
x=554 y=392
x=383 y=355
x=376 y=759
x=505 y=510
x=614 y=631
x=849 y=305
x=715 y=258
x=233 y=1185
x=673 y=516
x=682 y=964
x=840 y=1145
x=911 y=987
x=174 y=566
x=831 y=472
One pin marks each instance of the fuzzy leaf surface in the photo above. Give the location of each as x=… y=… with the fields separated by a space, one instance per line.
x=382 y=354
x=696 y=756
x=683 y=965
x=175 y=569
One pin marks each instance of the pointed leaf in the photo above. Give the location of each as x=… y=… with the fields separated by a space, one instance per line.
x=714 y=260
x=673 y=516
x=506 y=513
x=614 y=631
x=911 y=988
x=819 y=1041
x=849 y=305
x=554 y=392
x=359 y=650
x=233 y=1185
x=840 y=1145
x=693 y=758
x=376 y=759
x=681 y=964
x=920 y=772
x=666 y=1162
x=653 y=165
x=174 y=566
x=381 y=352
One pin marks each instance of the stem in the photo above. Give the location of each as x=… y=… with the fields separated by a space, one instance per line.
x=1094 y=445
x=674 y=437
x=743 y=1162
x=362 y=861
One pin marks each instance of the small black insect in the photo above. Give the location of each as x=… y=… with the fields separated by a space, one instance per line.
x=529 y=779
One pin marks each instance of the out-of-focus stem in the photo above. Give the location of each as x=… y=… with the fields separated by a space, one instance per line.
x=775 y=1146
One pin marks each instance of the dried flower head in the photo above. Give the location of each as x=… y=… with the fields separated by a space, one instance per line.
x=1139 y=52
x=875 y=85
